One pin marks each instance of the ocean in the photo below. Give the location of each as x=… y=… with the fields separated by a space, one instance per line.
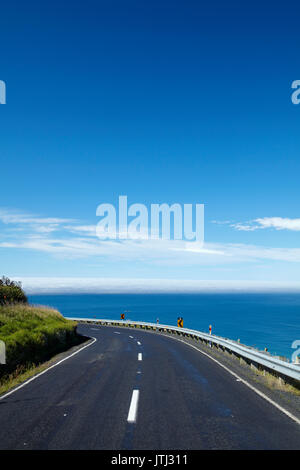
x=259 y=320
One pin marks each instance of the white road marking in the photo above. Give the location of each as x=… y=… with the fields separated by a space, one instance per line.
x=138 y=343
x=131 y=337
x=46 y=370
x=261 y=394
x=133 y=407
x=140 y=357
x=117 y=333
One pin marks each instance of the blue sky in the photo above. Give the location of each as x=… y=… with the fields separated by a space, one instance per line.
x=165 y=102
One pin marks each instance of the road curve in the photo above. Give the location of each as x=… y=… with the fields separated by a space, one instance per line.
x=137 y=390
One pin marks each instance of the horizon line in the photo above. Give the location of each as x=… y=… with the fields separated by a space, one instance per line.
x=94 y=285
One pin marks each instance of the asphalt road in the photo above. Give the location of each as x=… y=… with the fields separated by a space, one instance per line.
x=134 y=390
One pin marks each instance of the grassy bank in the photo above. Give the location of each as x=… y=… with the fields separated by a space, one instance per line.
x=32 y=335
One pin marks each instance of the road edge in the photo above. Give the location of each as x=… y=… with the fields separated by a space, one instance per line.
x=245 y=382
x=23 y=384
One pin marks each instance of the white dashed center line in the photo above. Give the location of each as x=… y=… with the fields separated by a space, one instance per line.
x=133 y=407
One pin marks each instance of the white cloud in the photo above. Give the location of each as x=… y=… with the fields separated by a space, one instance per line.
x=80 y=241
x=34 y=285
x=278 y=223
x=245 y=227
x=91 y=230
x=82 y=229
x=195 y=248
x=221 y=222
x=46 y=228
x=14 y=217
x=153 y=251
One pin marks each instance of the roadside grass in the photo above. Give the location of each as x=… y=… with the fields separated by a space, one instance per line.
x=273 y=382
x=266 y=378
x=24 y=373
x=20 y=375
x=32 y=336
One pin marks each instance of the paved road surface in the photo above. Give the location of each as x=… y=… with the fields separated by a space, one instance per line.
x=137 y=390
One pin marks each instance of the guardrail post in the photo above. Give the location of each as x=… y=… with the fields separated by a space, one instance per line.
x=281 y=380
x=262 y=370
x=2 y=353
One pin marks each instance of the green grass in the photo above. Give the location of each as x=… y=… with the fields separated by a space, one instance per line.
x=32 y=335
x=20 y=375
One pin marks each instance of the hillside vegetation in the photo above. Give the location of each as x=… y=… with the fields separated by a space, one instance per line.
x=11 y=292
x=32 y=334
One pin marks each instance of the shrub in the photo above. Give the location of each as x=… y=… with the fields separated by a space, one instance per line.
x=11 y=292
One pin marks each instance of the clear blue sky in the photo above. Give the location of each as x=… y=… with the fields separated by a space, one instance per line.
x=163 y=101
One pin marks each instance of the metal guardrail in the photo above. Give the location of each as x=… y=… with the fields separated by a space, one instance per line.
x=265 y=360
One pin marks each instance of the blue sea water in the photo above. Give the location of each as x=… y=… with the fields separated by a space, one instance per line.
x=259 y=320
